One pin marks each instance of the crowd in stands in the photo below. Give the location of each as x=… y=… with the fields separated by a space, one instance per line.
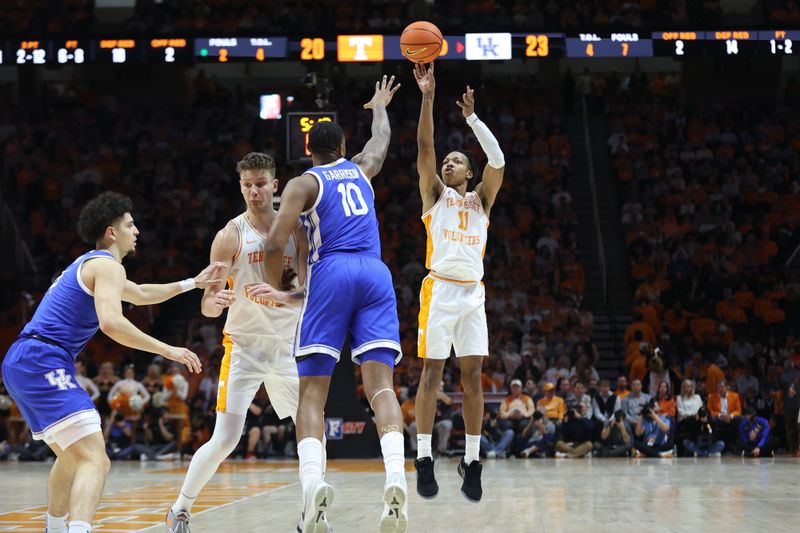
x=180 y=161
x=710 y=213
x=392 y=17
x=35 y=18
x=457 y=16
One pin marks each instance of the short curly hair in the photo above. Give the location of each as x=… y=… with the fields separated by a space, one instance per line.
x=101 y=212
x=256 y=161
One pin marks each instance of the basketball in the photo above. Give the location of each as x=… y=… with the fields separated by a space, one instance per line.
x=421 y=42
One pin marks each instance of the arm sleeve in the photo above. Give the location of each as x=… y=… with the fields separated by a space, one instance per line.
x=487 y=141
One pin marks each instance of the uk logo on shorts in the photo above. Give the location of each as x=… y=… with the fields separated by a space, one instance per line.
x=59 y=378
x=334 y=428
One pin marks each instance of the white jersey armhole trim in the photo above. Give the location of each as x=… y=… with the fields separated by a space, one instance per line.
x=438 y=201
x=319 y=194
x=80 y=269
x=364 y=177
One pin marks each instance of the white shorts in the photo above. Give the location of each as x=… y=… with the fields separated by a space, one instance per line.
x=452 y=314
x=72 y=429
x=250 y=361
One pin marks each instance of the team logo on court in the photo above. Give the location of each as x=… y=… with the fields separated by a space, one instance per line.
x=59 y=378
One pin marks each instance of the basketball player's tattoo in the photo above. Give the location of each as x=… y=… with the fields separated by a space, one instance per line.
x=388 y=428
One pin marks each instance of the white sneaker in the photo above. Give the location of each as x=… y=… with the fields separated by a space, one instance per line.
x=715 y=454
x=317 y=499
x=395 y=505
x=491 y=454
x=561 y=455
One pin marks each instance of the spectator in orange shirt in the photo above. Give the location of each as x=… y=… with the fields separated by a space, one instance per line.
x=622 y=388
x=729 y=312
x=697 y=370
x=726 y=414
x=676 y=320
x=666 y=402
x=517 y=409
x=648 y=335
x=551 y=405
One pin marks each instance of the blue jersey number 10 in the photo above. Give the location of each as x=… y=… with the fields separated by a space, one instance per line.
x=352 y=200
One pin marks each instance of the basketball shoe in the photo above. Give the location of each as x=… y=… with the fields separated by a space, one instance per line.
x=317 y=499
x=395 y=505
x=178 y=522
x=471 y=474
x=426 y=480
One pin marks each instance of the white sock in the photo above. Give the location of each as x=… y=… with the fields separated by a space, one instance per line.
x=473 y=448
x=394 y=459
x=424 y=446
x=309 y=451
x=76 y=526
x=324 y=455
x=183 y=503
x=56 y=524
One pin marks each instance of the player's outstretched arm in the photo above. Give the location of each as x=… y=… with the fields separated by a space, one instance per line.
x=430 y=184
x=492 y=178
x=223 y=250
x=299 y=195
x=155 y=293
x=109 y=282
x=373 y=155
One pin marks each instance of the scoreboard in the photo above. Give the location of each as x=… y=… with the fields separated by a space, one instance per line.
x=298 y=125
x=179 y=50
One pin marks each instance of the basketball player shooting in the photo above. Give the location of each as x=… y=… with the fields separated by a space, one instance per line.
x=452 y=298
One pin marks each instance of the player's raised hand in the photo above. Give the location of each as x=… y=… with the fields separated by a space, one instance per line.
x=383 y=93
x=224 y=298
x=210 y=275
x=467 y=103
x=425 y=79
x=184 y=356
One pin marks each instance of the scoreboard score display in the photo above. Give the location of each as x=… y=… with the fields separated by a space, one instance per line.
x=298 y=124
x=372 y=48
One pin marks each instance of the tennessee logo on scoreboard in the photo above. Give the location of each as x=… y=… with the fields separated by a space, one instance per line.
x=360 y=47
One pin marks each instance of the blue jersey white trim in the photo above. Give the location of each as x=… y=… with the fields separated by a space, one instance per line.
x=66 y=314
x=342 y=219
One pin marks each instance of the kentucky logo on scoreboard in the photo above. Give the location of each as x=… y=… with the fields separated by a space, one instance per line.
x=360 y=47
x=488 y=46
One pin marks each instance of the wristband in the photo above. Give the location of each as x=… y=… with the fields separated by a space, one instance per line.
x=187 y=284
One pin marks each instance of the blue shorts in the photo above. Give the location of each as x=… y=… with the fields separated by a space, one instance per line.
x=41 y=380
x=348 y=293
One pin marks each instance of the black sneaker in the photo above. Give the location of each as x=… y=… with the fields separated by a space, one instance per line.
x=471 y=473
x=426 y=481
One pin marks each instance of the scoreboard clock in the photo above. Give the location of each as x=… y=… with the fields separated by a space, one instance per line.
x=298 y=124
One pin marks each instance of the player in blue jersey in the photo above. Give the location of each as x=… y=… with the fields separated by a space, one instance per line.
x=348 y=290
x=39 y=367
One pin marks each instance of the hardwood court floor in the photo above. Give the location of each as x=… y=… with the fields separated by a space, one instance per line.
x=580 y=495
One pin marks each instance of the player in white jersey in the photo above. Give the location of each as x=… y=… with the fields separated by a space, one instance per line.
x=452 y=311
x=259 y=333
